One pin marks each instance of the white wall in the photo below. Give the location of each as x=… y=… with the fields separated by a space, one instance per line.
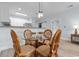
x=68 y=19
x=4 y=13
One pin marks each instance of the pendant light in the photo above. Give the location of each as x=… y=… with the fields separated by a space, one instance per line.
x=40 y=12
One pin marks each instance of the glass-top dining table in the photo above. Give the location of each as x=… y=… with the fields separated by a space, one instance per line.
x=39 y=39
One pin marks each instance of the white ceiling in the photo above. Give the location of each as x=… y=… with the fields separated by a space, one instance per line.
x=50 y=9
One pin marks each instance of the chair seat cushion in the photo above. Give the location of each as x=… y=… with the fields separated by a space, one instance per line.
x=30 y=42
x=43 y=50
x=33 y=43
x=47 y=42
x=28 y=50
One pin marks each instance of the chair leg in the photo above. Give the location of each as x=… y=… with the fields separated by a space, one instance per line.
x=35 y=54
x=14 y=54
x=56 y=54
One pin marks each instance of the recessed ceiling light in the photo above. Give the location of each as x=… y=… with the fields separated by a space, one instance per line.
x=71 y=6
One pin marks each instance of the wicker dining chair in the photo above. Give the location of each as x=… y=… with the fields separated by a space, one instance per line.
x=29 y=40
x=52 y=49
x=55 y=44
x=47 y=34
x=27 y=50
